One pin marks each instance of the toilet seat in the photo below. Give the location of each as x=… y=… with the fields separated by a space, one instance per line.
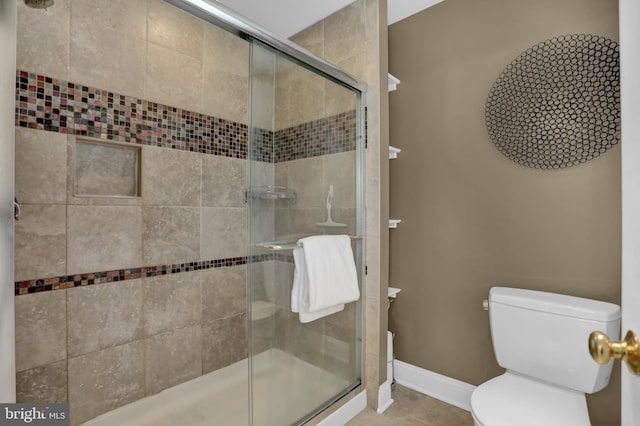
x=511 y=399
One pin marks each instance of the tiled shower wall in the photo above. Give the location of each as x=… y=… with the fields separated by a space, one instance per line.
x=353 y=39
x=145 y=292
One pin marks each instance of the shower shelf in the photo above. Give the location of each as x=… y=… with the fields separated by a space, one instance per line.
x=392 y=82
x=393 y=152
x=271 y=193
x=288 y=245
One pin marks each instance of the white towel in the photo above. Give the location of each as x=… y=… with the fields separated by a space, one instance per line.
x=325 y=276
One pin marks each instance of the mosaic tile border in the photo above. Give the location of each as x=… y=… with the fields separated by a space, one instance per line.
x=262 y=145
x=80 y=280
x=54 y=105
x=325 y=136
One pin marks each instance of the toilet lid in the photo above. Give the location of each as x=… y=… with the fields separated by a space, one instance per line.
x=511 y=399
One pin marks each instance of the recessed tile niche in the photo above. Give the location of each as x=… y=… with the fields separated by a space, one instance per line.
x=104 y=169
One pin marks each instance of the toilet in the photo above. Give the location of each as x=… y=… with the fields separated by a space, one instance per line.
x=541 y=339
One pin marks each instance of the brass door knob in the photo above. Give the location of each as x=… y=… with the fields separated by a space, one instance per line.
x=602 y=350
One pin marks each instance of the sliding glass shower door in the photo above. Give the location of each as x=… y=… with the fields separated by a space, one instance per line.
x=304 y=178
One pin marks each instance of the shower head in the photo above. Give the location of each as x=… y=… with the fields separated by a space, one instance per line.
x=38 y=4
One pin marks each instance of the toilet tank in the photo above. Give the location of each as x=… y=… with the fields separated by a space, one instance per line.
x=545 y=336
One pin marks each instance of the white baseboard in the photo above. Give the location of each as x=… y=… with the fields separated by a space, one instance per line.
x=451 y=391
x=347 y=412
x=384 y=397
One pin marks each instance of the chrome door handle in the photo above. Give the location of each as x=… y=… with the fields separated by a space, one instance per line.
x=602 y=349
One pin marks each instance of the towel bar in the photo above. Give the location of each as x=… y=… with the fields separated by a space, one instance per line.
x=289 y=245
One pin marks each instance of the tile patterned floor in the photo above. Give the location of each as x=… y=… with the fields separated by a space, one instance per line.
x=411 y=408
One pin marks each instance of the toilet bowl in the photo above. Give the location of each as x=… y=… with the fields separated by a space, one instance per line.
x=541 y=340
x=510 y=396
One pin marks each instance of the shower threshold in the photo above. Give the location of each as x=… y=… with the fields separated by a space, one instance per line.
x=285 y=388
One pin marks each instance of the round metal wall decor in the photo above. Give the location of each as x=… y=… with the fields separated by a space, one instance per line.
x=558 y=103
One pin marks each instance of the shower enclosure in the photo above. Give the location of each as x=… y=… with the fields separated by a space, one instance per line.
x=304 y=178
x=159 y=206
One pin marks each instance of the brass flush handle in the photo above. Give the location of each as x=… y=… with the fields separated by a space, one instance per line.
x=602 y=350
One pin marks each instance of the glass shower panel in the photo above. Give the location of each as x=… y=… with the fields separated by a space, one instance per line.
x=303 y=180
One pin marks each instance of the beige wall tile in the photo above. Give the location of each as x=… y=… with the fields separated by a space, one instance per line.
x=282 y=110
x=226 y=52
x=342 y=324
x=372 y=31
x=47 y=384
x=173 y=78
x=222 y=233
x=306 y=178
x=262 y=174
x=373 y=155
x=223 y=181
x=281 y=210
x=41 y=331
x=308 y=343
x=337 y=98
x=289 y=322
x=345 y=33
x=104 y=315
x=45 y=50
x=225 y=95
x=372 y=76
x=224 y=292
x=371 y=285
x=224 y=342
x=372 y=375
x=262 y=220
x=261 y=285
x=170 y=235
x=281 y=224
x=263 y=332
x=40 y=160
x=174 y=29
x=171 y=301
x=104 y=380
x=101 y=238
x=302 y=222
x=170 y=177
x=284 y=70
x=371 y=311
x=306 y=97
x=372 y=210
x=281 y=173
x=172 y=358
x=340 y=171
x=262 y=86
x=226 y=75
x=312 y=38
x=107 y=59
x=127 y=17
x=283 y=281
x=340 y=349
x=40 y=246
